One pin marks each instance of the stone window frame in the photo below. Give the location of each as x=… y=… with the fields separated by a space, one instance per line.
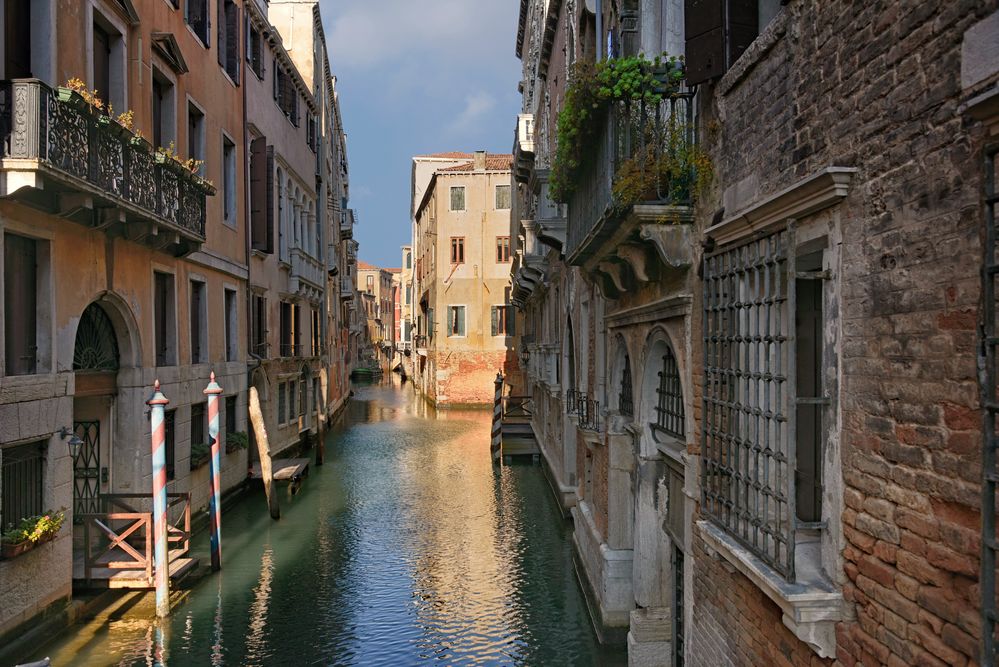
x=813 y=606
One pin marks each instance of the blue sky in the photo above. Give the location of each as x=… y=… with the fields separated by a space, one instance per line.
x=417 y=76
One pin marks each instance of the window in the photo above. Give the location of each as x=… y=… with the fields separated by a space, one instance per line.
x=198 y=19
x=108 y=63
x=228 y=181
x=370 y=284
x=199 y=323
x=282 y=403
x=262 y=192
x=286 y=329
x=625 y=400
x=317 y=334
x=228 y=46
x=255 y=52
x=230 y=414
x=170 y=442
x=292 y=392
x=718 y=33
x=165 y=319
x=199 y=432
x=311 y=132
x=164 y=111
x=17 y=40
x=668 y=409
x=502 y=249
x=758 y=413
x=502 y=197
x=456 y=321
x=409 y=260
x=503 y=320
x=286 y=93
x=102 y=63
x=20 y=299
x=231 y=326
x=409 y=294
x=457 y=250
x=21 y=483
x=196 y=135
x=458 y=198
x=258 y=317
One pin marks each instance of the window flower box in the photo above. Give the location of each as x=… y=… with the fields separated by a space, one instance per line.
x=32 y=532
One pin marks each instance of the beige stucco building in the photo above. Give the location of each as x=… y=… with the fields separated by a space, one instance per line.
x=121 y=265
x=462 y=278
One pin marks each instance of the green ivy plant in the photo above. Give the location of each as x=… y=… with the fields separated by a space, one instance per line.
x=593 y=90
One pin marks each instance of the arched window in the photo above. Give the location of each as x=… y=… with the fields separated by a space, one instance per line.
x=96 y=344
x=668 y=408
x=625 y=400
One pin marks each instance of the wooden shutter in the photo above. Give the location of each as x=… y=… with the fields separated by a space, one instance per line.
x=259 y=197
x=271 y=185
x=20 y=299
x=276 y=81
x=495 y=320
x=196 y=296
x=223 y=24
x=232 y=45
x=718 y=32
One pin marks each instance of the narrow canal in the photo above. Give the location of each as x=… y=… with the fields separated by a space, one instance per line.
x=407 y=547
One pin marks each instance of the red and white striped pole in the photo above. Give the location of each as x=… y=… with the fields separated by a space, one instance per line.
x=213 y=391
x=496 y=445
x=157 y=405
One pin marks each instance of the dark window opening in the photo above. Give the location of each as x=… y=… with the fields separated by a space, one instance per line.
x=21 y=483
x=199 y=308
x=669 y=399
x=164 y=319
x=230 y=414
x=20 y=293
x=198 y=18
x=170 y=442
x=228 y=45
x=199 y=432
x=17 y=39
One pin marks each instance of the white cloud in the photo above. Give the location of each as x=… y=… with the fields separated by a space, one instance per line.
x=477 y=106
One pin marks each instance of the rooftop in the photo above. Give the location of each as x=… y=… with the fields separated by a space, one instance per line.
x=493 y=163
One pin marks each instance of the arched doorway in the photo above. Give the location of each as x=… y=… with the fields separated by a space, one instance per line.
x=96 y=360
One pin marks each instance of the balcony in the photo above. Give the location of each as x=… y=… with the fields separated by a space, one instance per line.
x=347 y=220
x=62 y=157
x=523 y=148
x=307 y=276
x=347 y=288
x=624 y=243
x=549 y=216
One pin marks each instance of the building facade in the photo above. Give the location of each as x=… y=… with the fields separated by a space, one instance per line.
x=129 y=253
x=761 y=395
x=462 y=280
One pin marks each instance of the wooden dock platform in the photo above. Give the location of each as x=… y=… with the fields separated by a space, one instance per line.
x=285 y=470
x=136 y=579
x=518 y=438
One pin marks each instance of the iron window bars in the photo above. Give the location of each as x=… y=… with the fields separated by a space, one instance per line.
x=669 y=399
x=748 y=451
x=990 y=400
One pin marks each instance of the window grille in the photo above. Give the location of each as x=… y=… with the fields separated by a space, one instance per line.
x=990 y=399
x=21 y=483
x=748 y=453
x=625 y=401
x=669 y=399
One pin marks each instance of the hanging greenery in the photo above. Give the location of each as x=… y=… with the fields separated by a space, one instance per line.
x=668 y=155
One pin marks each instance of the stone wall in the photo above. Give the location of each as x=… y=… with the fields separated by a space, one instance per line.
x=875 y=87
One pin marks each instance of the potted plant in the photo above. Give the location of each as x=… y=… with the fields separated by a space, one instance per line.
x=31 y=532
x=236 y=441
x=200 y=454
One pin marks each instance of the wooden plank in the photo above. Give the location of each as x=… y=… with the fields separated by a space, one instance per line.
x=285 y=470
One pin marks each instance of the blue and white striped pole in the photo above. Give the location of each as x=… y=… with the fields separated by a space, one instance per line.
x=157 y=404
x=213 y=391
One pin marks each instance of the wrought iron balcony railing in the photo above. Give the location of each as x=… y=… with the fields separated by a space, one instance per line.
x=95 y=171
x=584 y=408
x=641 y=138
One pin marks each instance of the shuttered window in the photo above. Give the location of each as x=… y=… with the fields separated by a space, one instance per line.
x=228 y=44
x=503 y=320
x=502 y=197
x=198 y=321
x=231 y=326
x=255 y=51
x=20 y=298
x=199 y=434
x=262 y=195
x=286 y=329
x=259 y=319
x=21 y=483
x=163 y=319
x=458 y=198
x=456 y=320
x=718 y=32
x=170 y=442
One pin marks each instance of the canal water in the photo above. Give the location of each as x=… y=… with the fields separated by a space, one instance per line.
x=407 y=547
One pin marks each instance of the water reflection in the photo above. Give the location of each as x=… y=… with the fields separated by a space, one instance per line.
x=406 y=547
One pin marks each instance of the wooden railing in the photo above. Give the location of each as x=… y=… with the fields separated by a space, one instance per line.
x=124 y=530
x=517 y=406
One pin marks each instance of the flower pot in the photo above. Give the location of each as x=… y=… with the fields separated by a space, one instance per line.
x=8 y=550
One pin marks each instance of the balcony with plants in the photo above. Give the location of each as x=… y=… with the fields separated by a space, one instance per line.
x=629 y=167
x=67 y=154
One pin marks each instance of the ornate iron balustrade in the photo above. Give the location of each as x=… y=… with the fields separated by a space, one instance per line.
x=54 y=138
x=647 y=132
x=588 y=411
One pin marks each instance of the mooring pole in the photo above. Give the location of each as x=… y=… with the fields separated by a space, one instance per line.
x=213 y=391
x=157 y=403
x=495 y=447
x=264 y=450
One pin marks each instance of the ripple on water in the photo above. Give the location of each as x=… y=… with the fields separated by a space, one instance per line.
x=407 y=547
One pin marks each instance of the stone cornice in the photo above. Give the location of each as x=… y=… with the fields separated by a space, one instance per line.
x=815 y=193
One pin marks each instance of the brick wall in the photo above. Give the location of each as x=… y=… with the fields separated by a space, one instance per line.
x=876 y=86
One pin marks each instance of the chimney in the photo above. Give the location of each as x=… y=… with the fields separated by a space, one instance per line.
x=480 y=160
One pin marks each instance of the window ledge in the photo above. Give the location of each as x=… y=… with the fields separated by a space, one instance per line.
x=811 y=609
